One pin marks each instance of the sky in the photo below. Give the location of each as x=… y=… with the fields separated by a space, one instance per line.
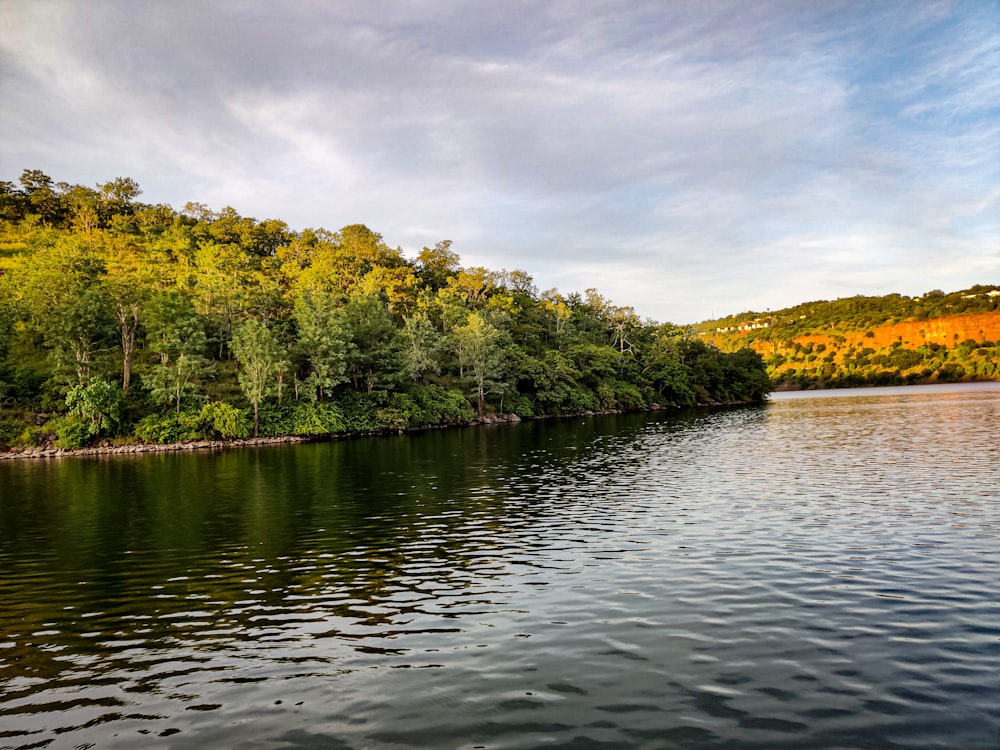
x=689 y=159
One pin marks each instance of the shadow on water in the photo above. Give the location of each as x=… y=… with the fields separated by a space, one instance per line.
x=117 y=533
x=795 y=574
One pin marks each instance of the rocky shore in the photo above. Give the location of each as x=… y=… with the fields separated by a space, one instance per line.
x=113 y=450
x=107 y=449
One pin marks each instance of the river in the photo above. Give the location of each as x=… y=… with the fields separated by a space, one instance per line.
x=821 y=571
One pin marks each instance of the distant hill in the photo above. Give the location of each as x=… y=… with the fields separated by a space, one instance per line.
x=894 y=339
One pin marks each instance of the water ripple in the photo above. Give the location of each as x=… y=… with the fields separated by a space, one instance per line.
x=818 y=572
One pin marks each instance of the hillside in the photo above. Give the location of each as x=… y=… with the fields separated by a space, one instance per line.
x=872 y=340
x=124 y=321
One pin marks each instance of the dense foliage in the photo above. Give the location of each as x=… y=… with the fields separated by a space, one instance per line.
x=888 y=340
x=121 y=319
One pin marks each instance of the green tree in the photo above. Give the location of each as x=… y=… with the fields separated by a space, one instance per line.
x=176 y=333
x=421 y=343
x=436 y=265
x=373 y=355
x=259 y=361
x=98 y=403
x=321 y=342
x=477 y=344
x=58 y=287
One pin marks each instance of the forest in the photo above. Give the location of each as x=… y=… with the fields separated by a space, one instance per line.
x=122 y=321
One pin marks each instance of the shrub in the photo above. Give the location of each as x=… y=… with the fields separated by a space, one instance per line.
x=33 y=435
x=300 y=418
x=98 y=404
x=170 y=428
x=74 y=431
x=519 y=404
x=394 y=418
x=628 y=396
x=316 y=419
x=9 y=431
x=360 y=411
x=224 y=420
x=437 y=405
x=950 y=372
x=606 y=396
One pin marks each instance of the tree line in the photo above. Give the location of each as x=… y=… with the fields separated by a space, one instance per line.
x=858 y=313
x=130 y=321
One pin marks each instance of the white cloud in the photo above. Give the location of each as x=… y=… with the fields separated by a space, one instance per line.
x=681 y=157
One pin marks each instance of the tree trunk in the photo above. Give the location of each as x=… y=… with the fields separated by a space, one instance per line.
x=256 y=417
x=128 y=325
x=127 y=371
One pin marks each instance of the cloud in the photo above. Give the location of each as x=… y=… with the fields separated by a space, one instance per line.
x=678 y=156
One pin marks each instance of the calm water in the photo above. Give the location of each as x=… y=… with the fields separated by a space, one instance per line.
x=822 y=571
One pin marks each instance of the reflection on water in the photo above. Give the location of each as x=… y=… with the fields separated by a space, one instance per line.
x=816 y=572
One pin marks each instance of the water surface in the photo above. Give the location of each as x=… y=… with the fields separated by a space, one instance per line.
x=820 y=571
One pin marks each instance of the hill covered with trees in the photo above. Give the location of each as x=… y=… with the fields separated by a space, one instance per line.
x=887 y=340
x=121 y=320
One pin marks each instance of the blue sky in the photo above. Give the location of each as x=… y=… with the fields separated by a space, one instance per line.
x=691 y=159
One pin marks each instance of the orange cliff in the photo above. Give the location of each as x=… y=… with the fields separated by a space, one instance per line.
x=946 y=331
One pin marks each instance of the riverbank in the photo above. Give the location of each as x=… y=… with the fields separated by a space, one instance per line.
x=108 y=449
x=18 y=452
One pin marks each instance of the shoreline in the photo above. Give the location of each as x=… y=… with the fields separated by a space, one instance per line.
x=48 y=452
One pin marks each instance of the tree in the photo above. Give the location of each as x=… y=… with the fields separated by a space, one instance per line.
x=259 y=361
x=59 y=288
x=119 y=194
x=436 y=265
x=42 y=197
x=221 y=283
x=78 y=331
x=559 y=312
x=98 y=403
x=321 y=341
x=477 y=344
x=97 y=281
x=664 y=366
x=421 y=343
x=177 y=334
x=126 y=282
x=373 y=353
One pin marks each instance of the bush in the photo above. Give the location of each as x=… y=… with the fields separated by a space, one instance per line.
x=9 y=431
x=628 y=396
x=316 y=419
x=22 y=388
x=950 y=372
x=224 y=421
x=519 y=404
x=606 y=397
x=300 y=418
x=436 y=405
x=360 y=411
x=98 y=404
x=33 y=435
x=74 y=431
x=397 y=417
x=170 y=428
x=424 y=405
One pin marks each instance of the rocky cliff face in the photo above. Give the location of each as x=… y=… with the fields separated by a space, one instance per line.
x=957 y=347
x=947 y=332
